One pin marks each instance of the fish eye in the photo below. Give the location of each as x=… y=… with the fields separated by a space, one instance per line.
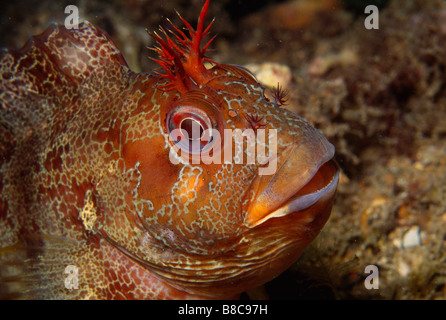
x=190 y=128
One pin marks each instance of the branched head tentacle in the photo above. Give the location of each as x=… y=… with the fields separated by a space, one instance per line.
x=256 y=121
x=280 y=96
x=181 y=56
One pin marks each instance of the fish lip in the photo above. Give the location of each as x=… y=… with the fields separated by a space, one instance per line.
x=301 y=202
x=278 y=195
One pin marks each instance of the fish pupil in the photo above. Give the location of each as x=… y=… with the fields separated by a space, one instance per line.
x=195 y=132
x=192 y=127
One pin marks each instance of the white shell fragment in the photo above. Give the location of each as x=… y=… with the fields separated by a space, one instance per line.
x=412 y=237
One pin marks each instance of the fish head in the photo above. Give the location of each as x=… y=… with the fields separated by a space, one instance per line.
x=191 y=172
x=231 y=188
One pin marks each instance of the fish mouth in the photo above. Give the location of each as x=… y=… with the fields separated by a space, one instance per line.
x=307 y=175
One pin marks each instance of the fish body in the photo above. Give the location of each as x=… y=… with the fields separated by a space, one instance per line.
x=99 y=199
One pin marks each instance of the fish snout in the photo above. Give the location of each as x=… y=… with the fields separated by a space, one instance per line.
x=306 y=174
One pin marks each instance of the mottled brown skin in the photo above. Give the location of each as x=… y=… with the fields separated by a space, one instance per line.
x=86 y=179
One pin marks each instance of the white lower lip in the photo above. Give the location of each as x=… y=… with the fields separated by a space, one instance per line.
x=303 y=202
